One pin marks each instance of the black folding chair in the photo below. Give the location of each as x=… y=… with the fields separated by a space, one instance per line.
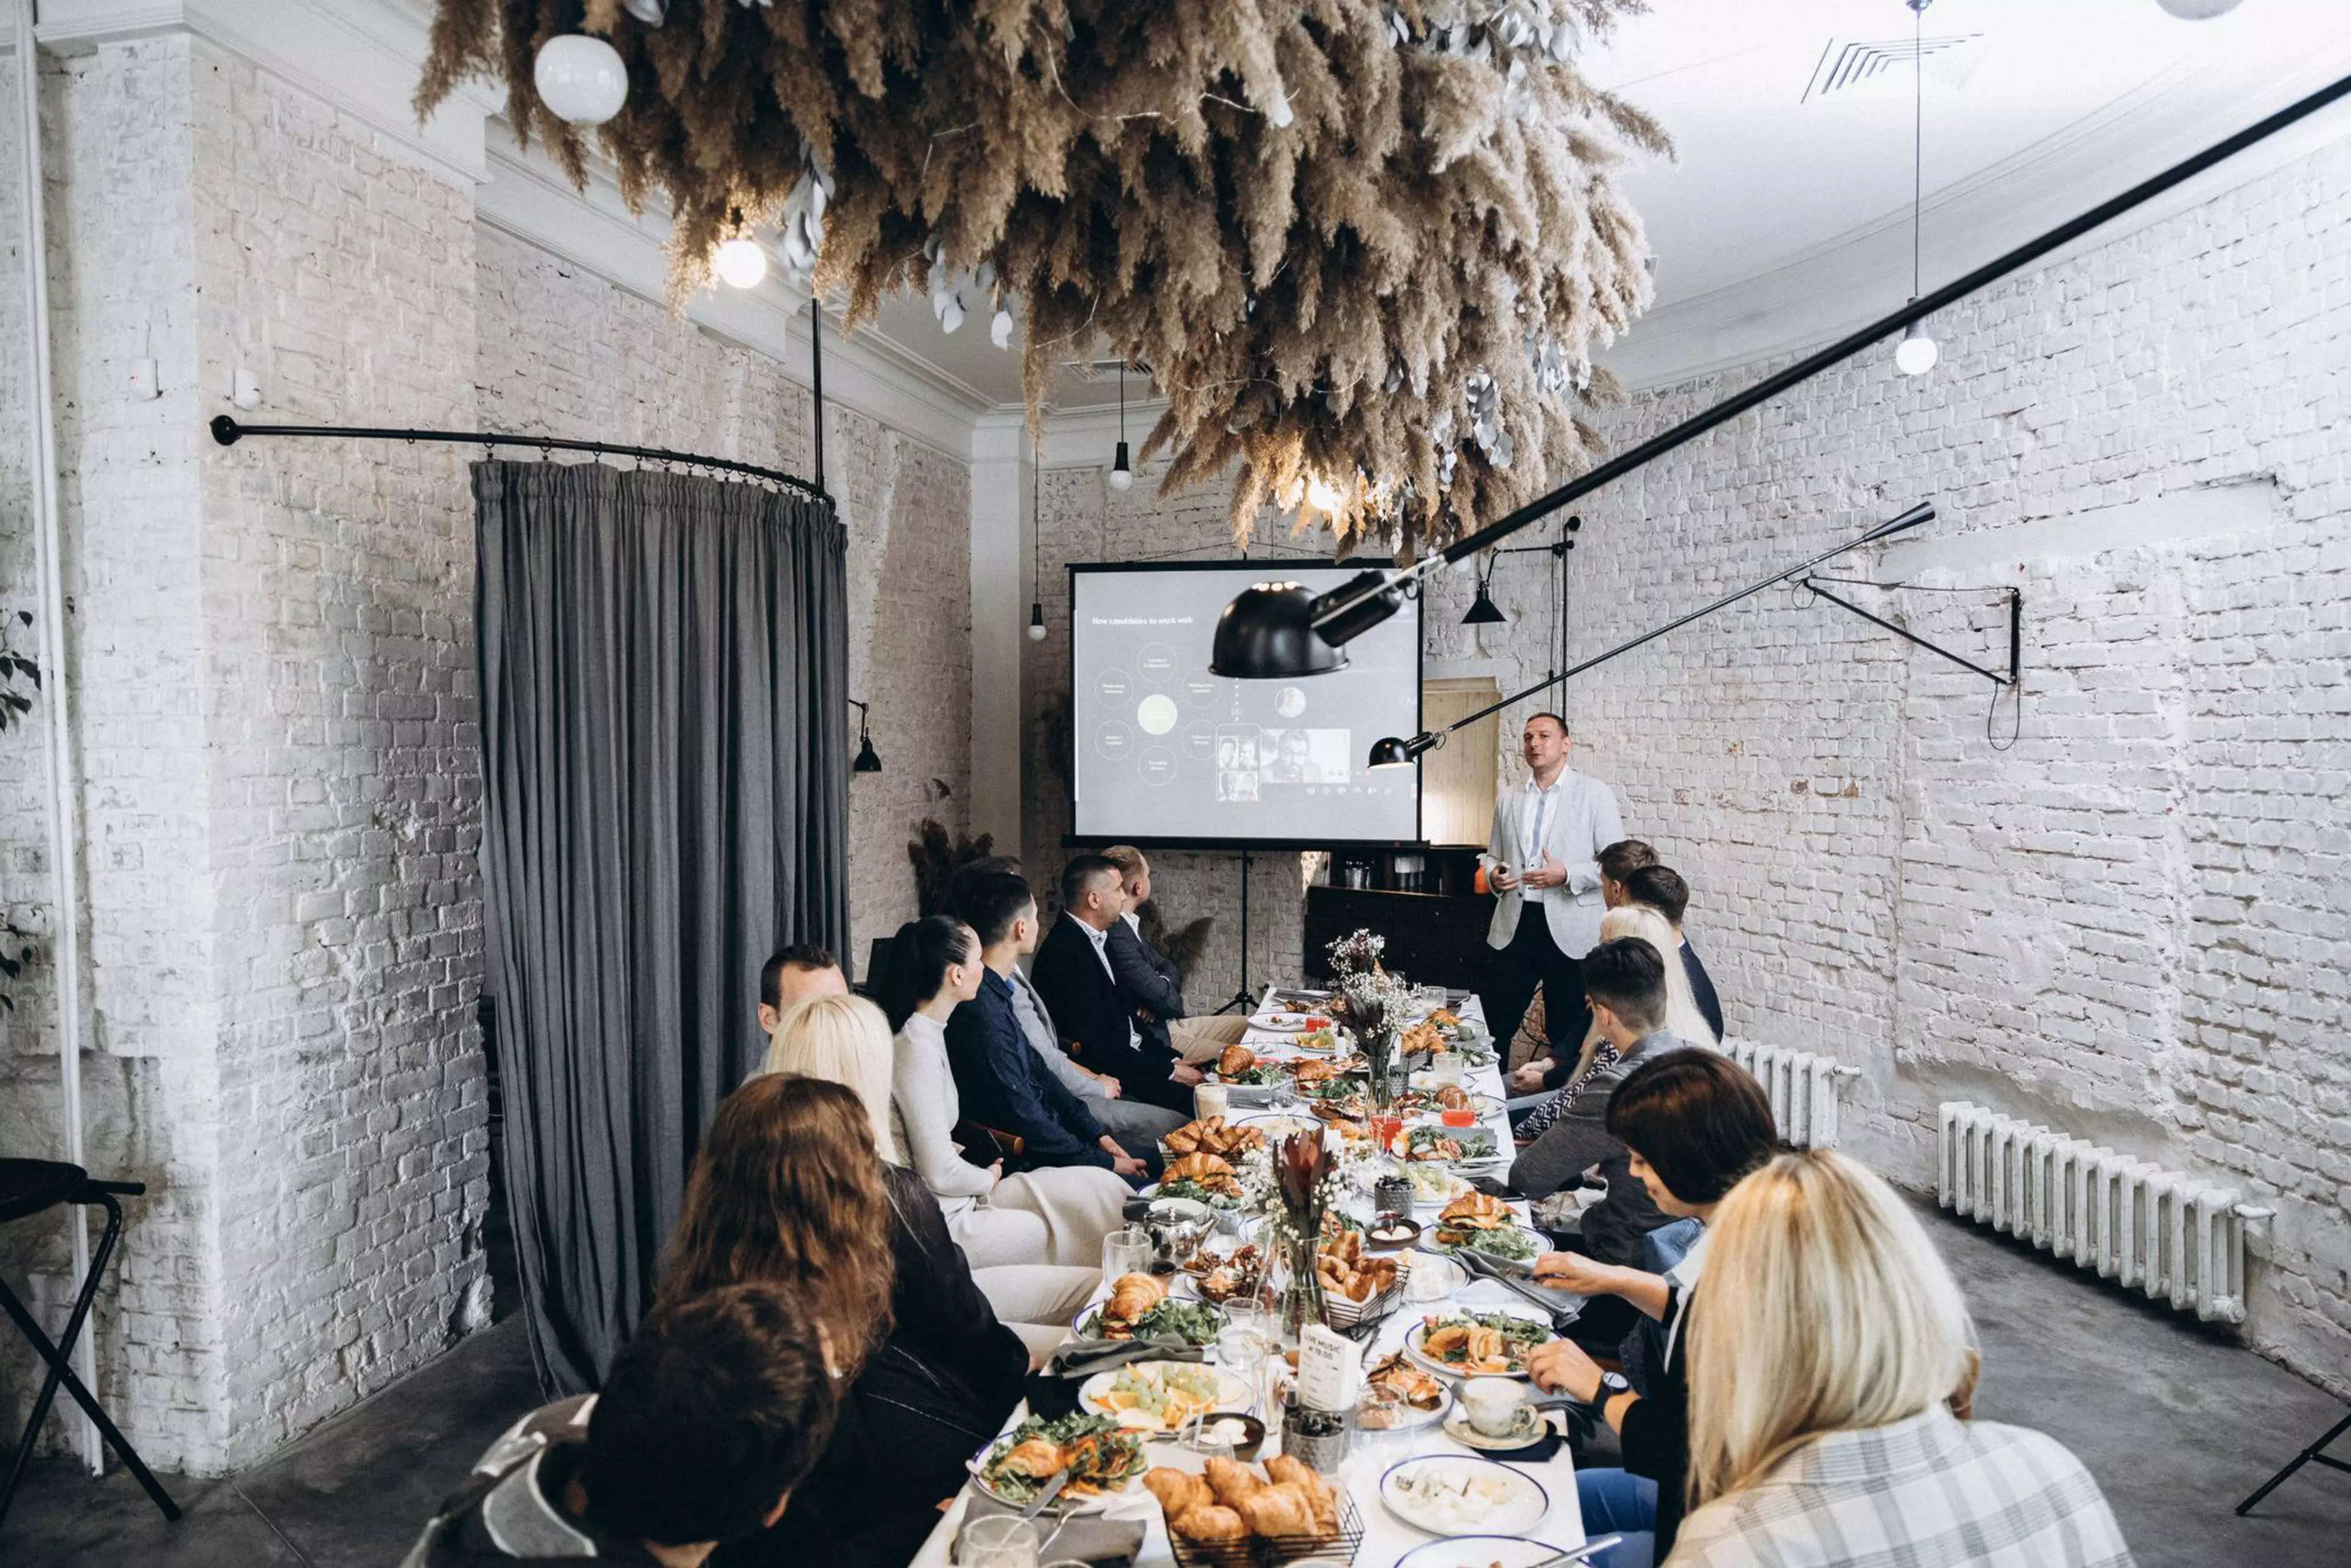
x=2310 y=1456
x=29 y=1188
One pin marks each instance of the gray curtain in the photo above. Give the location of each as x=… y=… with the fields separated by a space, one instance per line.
x=663 y=679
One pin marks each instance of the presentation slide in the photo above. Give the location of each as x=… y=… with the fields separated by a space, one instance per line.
x=1167 y=751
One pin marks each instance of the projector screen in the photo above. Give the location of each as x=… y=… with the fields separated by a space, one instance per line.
x=1165 y=752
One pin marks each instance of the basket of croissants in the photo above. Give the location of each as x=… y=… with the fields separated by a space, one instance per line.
x=1357 y=1286
x=1232 y=1517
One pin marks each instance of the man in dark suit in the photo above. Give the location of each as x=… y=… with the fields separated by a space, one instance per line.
x=1074 y=975
x=1662 y=889
x=1152 y=984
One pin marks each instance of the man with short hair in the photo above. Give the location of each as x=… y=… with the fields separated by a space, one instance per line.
x=1073 y=974
x=1002 y=910
x=710 y=1417
x=1625 y=981
x=999 y=1078
x=1662 y=889
x=1542 y=860
x=1152 y=984
x=1619 y=862
x=793 y=973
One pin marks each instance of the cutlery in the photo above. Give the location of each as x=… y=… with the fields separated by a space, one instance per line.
x=1037 y=1504
x=1581 y=1554
x=1547 y=1301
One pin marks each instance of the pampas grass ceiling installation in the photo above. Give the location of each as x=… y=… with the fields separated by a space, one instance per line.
x=1365 y=249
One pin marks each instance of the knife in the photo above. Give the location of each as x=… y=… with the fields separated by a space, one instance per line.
x=1037 y=1504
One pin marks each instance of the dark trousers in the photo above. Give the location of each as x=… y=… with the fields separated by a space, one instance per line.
x=1512 y=973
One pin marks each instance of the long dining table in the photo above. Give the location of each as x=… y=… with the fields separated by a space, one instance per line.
x=1386 y=1538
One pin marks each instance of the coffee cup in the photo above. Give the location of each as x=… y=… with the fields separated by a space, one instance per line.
x=1496 y=1406
x=1211 y=1100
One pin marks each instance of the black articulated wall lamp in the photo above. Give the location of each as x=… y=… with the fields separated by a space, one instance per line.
x=1483 y=610
x=868 y=759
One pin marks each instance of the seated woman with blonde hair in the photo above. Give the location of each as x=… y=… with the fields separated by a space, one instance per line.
x=846 y=1041
x=1832 y=1367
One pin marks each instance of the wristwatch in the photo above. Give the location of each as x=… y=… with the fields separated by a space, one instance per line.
x=1612 y=1384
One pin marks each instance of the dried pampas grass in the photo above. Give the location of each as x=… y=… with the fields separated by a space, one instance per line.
x=1365 y=248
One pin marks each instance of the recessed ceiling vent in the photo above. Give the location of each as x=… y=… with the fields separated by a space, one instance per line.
x=1104 y=370
x=1875 y=67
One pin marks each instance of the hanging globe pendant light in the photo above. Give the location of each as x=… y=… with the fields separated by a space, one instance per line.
x=581 y=78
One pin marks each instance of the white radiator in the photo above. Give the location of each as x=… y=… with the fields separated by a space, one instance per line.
x=2173 y=1236
x=1804 y=1090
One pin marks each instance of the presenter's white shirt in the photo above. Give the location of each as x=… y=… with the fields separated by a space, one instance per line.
x=1101 y=939
x=1535 y=814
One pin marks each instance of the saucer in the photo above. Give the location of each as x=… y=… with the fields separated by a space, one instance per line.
x=1532 y=1428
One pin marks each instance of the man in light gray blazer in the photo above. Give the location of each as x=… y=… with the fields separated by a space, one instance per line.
x=1543 y=862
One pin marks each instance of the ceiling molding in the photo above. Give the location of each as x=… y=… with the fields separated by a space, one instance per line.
x=1088 y=437
x=361 y=56
x=1819 y=296
x=528 y=196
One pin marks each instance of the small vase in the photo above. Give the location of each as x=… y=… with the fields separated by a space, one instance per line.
x=1380 y=1068
x=1302 y=1299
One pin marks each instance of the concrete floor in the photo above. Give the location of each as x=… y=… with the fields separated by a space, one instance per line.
x=2177 y=1424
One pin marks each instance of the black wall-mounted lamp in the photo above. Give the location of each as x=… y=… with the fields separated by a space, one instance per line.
x=868 y=761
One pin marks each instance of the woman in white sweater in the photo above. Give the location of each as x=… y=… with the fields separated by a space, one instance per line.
x=846 y=1041
x=1059 y=1213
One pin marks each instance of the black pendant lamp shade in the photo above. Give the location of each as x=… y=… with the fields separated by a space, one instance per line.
x=1391 y=752
x=1267 y=631
x=1483 y=610
x=868 y=759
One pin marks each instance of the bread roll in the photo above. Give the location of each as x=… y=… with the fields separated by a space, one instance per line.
x=1208 y=1521
x=1279 y=1510
x=1232 y=1481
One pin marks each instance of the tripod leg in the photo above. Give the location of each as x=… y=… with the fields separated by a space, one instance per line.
x=2294 y=1464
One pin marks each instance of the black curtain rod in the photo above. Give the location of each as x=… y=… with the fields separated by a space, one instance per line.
x=228 y=433
x=1917 y=310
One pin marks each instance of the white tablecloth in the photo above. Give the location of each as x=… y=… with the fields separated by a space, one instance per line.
x=1385 y=1537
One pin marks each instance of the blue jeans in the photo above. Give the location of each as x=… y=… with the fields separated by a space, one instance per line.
x=1618 y=1502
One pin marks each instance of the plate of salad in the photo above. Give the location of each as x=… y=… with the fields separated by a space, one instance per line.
x=1476 y=1344
x=1102 y=1461
x=1172 y=1321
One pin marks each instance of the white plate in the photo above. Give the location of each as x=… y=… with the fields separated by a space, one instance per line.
x=1518 y=1506
x=1060 y=1506
x=1437 y=1266
x=1181 y=1288
x=1280 y=1023
x=1279 y=1125
x=1428 y=1243
x=1413 y=1337
x=1534 y=1428
x=1477 y=1552
x=1231 y=1393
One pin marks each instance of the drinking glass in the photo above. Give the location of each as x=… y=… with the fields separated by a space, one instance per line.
x=1126 y=1251
x=1000 y=1540
x=1244 y=1346
x=1201 y=1437
x=1381 y=1437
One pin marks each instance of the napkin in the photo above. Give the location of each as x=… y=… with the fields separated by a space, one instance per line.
x=1089 y=1537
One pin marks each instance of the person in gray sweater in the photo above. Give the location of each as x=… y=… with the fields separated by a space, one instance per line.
x=1625 y=981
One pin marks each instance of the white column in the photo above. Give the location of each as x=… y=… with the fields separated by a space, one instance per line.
x=1001 y=528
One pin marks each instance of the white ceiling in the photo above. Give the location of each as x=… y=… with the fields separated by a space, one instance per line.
x=1785 y=217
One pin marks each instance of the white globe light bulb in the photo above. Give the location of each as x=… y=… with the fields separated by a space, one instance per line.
x=1917 y=353
x=2198 y=10
x=1322 y=495
x=740 y=262
x=1121 y=478
x=1036 y=632
x=580 y=77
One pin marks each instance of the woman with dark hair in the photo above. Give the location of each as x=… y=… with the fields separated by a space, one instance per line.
x=1693 y=1123
x=788 y=1185
x=1055 y=1215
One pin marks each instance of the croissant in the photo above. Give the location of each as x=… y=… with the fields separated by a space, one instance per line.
x=1320 y=1496
x=1453 y=1097
x=1231 y=1481
x=1035 y=1457
x=1134 y=1295
x=1283 y=1510
x=1178 y=1491
x=1233 y=1060
x=1475 y=1211
x=1208 y=1521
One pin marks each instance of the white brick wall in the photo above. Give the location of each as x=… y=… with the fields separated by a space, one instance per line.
x=2130 y=924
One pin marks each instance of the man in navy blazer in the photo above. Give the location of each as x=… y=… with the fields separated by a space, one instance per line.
x=1072 y=972
x=1662 y=889
x=1152 y=984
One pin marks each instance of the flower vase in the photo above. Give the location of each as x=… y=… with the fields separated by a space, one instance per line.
x=1380 y=1070
x=1302 y=1299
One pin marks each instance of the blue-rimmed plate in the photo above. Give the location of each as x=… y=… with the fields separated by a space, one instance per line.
x=1455 y=1495
x=1477 y=1552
